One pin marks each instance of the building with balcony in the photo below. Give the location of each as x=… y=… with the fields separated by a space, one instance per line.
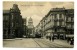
x=70 y=22
x=55 y=22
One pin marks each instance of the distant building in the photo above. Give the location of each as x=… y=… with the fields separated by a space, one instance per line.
x=12 y=22
x=24 y=27
x=30 y=27
x=56 y=23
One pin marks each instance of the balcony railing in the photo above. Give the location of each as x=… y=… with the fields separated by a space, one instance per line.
x=69 y=28
x=55 y=19
x=60 y=20
x=69 y=21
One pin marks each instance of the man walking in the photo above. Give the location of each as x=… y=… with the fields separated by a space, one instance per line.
x=50 y=38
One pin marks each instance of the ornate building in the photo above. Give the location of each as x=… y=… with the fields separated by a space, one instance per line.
x=12 y=22
x=70 y=22
x=6 y=23
x=56 y=23
x=30 y=27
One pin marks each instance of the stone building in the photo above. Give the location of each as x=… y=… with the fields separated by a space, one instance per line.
x=6 y=23
x=24 y=27
x=54 y=23
x=70 y=22
x=30 y=27
x=13 y=20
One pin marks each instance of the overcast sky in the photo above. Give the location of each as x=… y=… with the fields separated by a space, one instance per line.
x=36 y=10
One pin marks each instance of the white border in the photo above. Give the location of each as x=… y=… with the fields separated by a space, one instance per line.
x=75 y=27
x=38 y=0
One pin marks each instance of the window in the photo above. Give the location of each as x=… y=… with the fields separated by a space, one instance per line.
x=55 y=23
x=72 y=19
x=12 y=24
x=55 y=16
x=58 y=23
x=69 y=19
x=72 y=26
x=69 y=26
x=63 y=23
x=50 y=14
x=52 y=17
x=6 y=17
x=12 y=16
x=60 y=16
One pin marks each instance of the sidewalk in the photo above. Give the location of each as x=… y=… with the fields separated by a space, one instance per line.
x=63 y=42
x=8 y=39
x=18 y=43
x=60 y=42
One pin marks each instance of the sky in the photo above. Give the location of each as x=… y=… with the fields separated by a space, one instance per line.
x=36 y=10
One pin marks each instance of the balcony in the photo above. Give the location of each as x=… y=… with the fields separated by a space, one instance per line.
x=69 y=21
x=70 y=28
x=60 y=19
x=72 y=21
x=55 y=19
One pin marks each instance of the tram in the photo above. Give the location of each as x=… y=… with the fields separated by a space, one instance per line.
x=38 y=35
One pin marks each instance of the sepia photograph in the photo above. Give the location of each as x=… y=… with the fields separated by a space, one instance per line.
x=38 y=24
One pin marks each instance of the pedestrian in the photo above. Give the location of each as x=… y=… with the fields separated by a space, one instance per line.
x=68 y=39
x=52 y=38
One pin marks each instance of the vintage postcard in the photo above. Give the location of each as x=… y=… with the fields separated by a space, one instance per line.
x=38 y=24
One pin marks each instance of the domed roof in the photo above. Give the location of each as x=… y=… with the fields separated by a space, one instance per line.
x=30 y=23
x=30 y=19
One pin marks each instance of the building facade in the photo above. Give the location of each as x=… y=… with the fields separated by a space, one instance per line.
x=6 y=23
x=70 y=22
x=24 y=27
x=55 y=23
x=13 y=19
x=30 y=28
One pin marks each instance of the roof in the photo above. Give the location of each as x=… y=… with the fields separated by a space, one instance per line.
x=70 y=10
x=6 y=11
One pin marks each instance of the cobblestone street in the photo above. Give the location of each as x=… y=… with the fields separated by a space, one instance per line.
x=35 y=43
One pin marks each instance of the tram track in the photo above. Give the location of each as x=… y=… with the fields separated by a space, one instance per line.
x=58 y=45
x=47 y=44
x=50 y=45
x=55 y=45
x=37 y=43
x=43 y=42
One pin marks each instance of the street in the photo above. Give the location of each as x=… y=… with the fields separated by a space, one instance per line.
x=35 y=43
